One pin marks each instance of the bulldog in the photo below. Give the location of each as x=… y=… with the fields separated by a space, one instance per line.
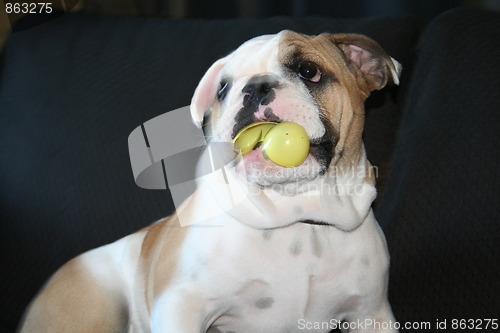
x=303 y=252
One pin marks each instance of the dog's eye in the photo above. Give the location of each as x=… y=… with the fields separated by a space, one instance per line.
x=309 y=71
x=223 y=89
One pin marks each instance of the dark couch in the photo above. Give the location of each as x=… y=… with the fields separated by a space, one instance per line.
x=72 y=89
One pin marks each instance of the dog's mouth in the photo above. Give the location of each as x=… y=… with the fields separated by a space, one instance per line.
x=320 y=148
x=264 y=172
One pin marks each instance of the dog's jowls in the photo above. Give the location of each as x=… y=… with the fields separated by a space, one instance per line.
x=301 y=253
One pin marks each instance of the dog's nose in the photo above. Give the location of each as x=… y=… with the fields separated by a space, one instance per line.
x=259 y=90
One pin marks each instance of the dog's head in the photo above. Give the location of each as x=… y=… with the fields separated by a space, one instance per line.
x=319 y=82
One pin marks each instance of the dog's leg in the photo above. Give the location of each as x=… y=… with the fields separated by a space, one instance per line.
x=180 y=311
x=72 y=301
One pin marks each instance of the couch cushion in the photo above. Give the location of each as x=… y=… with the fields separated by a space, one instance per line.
x=72 y=90
x=441 y=203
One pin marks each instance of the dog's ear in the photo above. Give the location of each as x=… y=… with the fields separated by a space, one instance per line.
x=206 y=91
x=369 y=57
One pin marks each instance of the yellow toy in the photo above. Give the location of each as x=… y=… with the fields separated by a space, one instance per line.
x=285 y=143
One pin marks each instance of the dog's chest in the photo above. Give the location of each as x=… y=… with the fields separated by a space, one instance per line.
x=265 y=280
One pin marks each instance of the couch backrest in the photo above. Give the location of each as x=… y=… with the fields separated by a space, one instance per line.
x=72 y=90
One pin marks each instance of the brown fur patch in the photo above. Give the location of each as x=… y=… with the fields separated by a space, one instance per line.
x=341 y=100
x=73 y=301
x=160 y=255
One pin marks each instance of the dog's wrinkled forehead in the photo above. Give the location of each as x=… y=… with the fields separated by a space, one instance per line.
x=352 y=60
x=258 y=55
x=272 y=53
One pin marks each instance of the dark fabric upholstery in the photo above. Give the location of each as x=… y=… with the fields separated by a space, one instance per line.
x=441 y=203
x=73 y=89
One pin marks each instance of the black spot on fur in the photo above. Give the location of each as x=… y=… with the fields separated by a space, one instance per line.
x=264 y=303
x=270 y=116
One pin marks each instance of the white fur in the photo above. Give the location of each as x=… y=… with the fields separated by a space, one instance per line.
x=227 y=269
x=396 y=71
x=115 y=267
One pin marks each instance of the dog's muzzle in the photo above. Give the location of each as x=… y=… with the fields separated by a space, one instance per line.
x=259 y=90
x=258 y=93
